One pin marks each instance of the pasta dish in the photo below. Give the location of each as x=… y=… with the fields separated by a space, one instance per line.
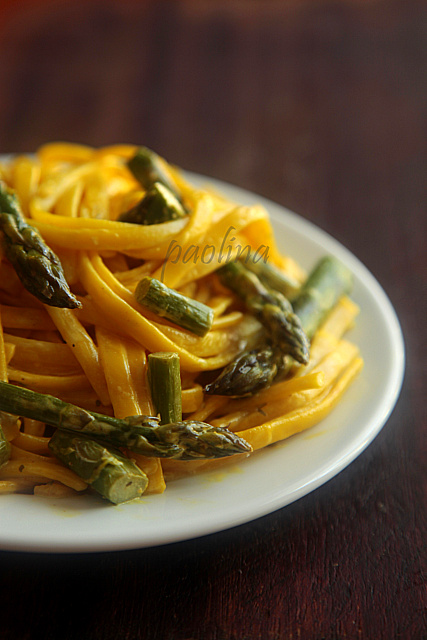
x=151 y=329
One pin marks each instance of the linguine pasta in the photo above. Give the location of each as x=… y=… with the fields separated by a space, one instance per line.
x=96 y=356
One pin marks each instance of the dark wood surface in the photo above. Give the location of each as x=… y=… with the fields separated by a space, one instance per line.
x=322 y=107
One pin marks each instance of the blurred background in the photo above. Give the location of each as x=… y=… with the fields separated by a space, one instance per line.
x=321 y=106
x=330 y=95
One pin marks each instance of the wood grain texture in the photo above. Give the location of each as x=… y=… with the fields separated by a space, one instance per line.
x=321 y=107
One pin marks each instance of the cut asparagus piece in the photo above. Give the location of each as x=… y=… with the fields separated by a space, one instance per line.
x=186 y=440
x=326 y=284
x=157 y=206
x=272 y=277
x=106 y=469
x=147 y=168
x=271 y=308
x=5 y=448
x=164 y=377
x=168 y=303
x=36 y=265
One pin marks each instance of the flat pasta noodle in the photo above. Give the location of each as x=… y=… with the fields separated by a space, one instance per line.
x=69 y=201
x=192 y=398
x=9 y=282
x=303 y=417
x=33 y=427
x=18 y=485
x=126 y=397
x=33 y=354
x=83 y=347
x=33 y=443
x=137 y=360
x=52 y=385
x=22 y=318
x=36 y=468
x=54 y=489
x=92 y=234
x=40 y=471
x=95 y=357
x=26 y=178
x=261 y=404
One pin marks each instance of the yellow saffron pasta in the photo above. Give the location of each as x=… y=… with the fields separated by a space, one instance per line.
x=96 y=356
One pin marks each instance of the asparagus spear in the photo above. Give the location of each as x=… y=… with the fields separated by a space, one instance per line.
x=249 y=373
x=106 y=469
x=168 y=303
x=158 y=205
x=186 y=440
x=147 y=168
x=38 y=268
x=271 y=308
x=326 y=284
x=165 y=383
x=272 y=277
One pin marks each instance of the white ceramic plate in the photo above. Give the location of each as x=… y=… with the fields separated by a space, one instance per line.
x=275 y=477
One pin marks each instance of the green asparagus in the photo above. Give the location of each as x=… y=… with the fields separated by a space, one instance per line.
x=326 y=284
x=165 y=384
x=36 y=265
x=250 y=372
x=168 y=303
x=157 y=206
x=259 y=368
x=106 y=469
x=186 y=440
x=147 y=168
x=272 y=277
x=271 y=308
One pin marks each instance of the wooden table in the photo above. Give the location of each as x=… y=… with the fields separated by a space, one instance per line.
x=322 y=107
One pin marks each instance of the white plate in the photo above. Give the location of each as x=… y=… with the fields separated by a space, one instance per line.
x=275 y=477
